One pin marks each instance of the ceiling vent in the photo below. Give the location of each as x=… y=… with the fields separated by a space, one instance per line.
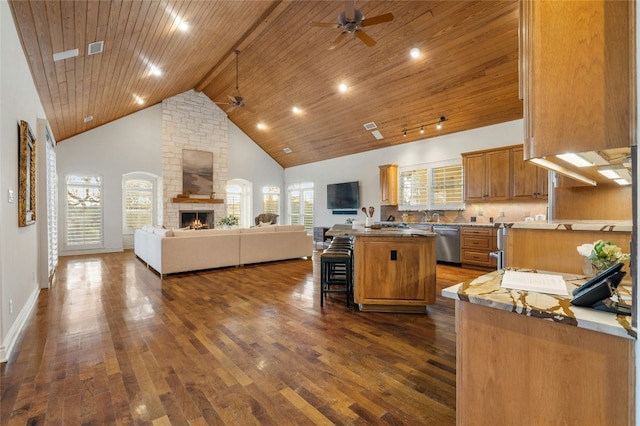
x=370 y=126
x=287 y=150
x=95 y=47
x=65 y=55
x=88 y=118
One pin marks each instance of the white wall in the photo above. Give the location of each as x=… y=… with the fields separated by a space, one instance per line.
x=18 y=246
x=130 y=144
x=364 y=167
x=250 y=162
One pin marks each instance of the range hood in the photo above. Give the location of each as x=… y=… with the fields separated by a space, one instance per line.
x=607 y=167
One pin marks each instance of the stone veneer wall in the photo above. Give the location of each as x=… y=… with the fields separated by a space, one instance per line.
x=192 y=121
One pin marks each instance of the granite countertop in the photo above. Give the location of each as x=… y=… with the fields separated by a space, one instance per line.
x=339 y=230
x=486 y=291
x=575 y=225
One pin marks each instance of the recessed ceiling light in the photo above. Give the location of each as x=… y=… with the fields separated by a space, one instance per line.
x=66 y=54
x=296 y=110
x=138 y=99
x=183 y=25
x=155 y=70
x=88 y=118
x=287 y=150
x=261 y=126
x=343 y=87
x=414 y=52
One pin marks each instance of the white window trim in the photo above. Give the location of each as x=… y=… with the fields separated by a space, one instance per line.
x=429 y=168
x=139 y=176
x=99 y=245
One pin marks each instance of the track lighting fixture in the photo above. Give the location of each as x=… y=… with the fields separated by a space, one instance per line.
x=422 y=126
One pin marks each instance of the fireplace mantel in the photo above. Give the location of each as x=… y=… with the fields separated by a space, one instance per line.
x=198 y=200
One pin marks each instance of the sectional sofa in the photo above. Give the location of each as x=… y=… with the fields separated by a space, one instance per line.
x=171 y=251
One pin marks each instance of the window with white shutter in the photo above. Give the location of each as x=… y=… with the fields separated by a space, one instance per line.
x=431 y=186
x=300 y=204
x=271 y=199
x=84 y=211
x=139 y=201
x=446 y=188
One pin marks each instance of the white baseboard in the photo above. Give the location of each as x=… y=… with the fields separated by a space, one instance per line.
x=16 y=329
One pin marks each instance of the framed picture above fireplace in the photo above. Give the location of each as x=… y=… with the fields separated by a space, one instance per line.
x=197 y=172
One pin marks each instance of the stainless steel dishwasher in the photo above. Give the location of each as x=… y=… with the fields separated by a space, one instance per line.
x=448 y=243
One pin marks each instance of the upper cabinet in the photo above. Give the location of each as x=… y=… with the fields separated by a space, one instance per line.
x=528 y=180
x=502 y=174
x=577 y=76
x=487 y=175
x=389 y=185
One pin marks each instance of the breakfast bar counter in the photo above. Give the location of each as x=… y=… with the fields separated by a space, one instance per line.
x=524 y=356
x=394 y=268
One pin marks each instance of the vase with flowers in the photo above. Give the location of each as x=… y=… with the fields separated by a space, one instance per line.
x=229 y=221
x=600 y=256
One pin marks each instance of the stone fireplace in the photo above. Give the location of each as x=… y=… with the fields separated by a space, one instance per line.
x=196 y=219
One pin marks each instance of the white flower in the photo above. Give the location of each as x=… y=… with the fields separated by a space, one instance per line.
x=585 y=250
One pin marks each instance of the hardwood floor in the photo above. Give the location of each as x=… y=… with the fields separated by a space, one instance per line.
x=111 y=343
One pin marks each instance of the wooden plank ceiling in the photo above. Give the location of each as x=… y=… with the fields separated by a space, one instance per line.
x=467 y=71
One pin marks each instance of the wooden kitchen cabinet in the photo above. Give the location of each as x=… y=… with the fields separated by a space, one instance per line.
x=576 y=76
x=389 y=185
x=476 y=242
x=487 y=175
x=528 y=180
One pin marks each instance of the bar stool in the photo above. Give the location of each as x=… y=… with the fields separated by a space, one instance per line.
x=336 y=269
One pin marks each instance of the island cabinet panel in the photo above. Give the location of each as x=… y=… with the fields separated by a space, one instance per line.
x=395 y=271
x=556 y=249
x=515 y=369
x=577 y=81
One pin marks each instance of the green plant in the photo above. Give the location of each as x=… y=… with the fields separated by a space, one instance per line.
x=229 y=220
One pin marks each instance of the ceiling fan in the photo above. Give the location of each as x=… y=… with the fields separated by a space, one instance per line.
x=351 y=21
x=235 y=100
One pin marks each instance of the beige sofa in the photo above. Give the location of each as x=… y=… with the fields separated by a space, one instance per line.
x=171 y=251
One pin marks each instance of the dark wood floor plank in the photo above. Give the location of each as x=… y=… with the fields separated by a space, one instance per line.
x=112 y=343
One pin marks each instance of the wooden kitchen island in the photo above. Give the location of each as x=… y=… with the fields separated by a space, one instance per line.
x=525 y=357
x=394 y=269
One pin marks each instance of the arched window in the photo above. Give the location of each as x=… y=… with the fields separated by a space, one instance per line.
x=138 y=201
x=238 y=201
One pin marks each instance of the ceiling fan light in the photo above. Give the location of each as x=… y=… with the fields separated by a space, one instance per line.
x=421 y=129
x=439 y=125
x=404 y=132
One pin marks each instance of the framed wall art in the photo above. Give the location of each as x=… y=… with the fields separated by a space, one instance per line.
x=27 y=177
x=197 y=172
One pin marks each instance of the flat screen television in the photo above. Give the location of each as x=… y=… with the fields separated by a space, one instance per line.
x=343 y=196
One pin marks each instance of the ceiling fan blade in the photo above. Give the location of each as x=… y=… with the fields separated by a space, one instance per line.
x=366 y=39
x=349 y=9
x=230 y=109
x=325 y=24
x=378 y=19
x=337 y=41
